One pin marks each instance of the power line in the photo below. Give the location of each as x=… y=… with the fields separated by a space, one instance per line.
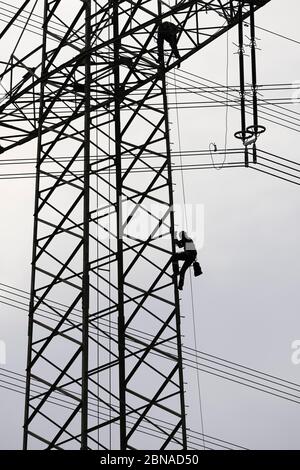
x=212 y=91
x=180 y=168
x=277 y=162
x=267 y=114
x=20 y=379
x=191 y=359
x=277 y=34
x=264 y=114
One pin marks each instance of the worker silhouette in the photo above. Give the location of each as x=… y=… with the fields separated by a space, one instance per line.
x=167 y=32
x=189 y=256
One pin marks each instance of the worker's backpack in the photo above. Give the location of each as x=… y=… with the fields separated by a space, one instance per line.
x=197 y=269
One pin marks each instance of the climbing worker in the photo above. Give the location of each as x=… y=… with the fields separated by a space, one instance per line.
x=189 y=256
x=167 y=32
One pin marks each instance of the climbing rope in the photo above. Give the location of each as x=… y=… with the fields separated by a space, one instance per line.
x=98 y=257
x=212 y=146
x=190 y=274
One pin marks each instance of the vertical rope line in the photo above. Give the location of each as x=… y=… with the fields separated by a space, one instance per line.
x=109 y=248
x=97 y=249
x=190 y=274
x=227 y=97
x=212 y=145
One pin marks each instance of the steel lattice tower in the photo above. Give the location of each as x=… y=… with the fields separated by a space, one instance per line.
x=104 y=222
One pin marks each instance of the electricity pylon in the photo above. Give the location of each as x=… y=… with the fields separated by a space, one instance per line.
x=103 y=223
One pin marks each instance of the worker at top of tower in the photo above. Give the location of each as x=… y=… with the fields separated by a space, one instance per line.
x=188 y=256
x=167 y=32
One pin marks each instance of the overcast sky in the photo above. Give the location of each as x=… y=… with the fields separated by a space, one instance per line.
x=247 y=302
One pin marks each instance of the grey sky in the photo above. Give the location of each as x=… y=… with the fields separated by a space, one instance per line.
x=247 y=301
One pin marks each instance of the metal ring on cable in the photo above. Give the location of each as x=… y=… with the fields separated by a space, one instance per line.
x=256 y=130
x=243 y=135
